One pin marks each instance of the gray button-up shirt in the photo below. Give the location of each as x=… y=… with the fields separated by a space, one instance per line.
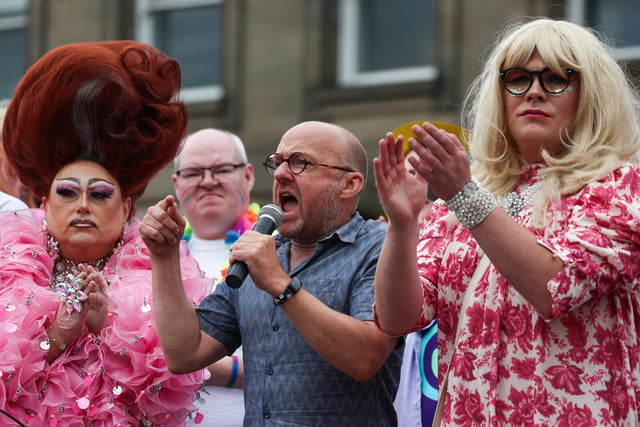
x=286 y=382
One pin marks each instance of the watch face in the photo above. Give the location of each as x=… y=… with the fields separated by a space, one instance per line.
x=295 y=285
x=289 y=292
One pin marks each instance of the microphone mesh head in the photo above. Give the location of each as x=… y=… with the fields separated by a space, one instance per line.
x=274 y=212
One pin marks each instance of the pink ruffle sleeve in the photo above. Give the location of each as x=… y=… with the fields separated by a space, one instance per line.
x=26 y=304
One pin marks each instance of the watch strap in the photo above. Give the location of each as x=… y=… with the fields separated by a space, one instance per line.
x=289 y=292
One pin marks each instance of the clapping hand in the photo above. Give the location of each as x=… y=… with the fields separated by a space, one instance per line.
x=402 y=194
x=97 y=304
x=442 y=159
x=69 y=319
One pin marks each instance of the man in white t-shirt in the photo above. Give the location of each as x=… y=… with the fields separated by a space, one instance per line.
x=213 y=180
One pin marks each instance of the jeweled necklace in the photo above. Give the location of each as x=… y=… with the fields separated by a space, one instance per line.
x=63 y=277
x=514 y=202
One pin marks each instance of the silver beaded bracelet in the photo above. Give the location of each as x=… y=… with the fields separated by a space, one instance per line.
x=472 y=204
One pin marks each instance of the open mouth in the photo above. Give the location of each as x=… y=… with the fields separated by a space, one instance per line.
x=288 y=202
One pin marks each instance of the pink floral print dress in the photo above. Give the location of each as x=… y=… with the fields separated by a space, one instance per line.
x=514 y=366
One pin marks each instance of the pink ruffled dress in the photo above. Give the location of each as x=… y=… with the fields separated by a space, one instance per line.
x=117 y=378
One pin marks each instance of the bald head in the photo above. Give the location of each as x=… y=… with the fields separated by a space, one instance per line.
x=336 y=140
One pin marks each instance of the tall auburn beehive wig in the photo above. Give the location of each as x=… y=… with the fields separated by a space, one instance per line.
x=110 y=102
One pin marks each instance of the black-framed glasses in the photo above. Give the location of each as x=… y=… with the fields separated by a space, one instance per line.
x=517 y=81
x=223 y=172
x=297 y=163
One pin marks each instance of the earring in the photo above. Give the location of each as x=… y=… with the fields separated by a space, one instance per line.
x=53 y=246
x=120 y=242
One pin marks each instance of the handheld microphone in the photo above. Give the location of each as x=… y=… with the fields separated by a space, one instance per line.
x=269 y=218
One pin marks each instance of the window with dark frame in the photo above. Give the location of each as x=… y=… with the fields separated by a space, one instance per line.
x=191 y=32
x=386 y=42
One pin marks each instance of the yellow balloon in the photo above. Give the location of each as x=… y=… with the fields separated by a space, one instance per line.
x=405 y=130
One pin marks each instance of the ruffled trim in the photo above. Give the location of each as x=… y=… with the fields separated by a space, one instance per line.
x=118 y=377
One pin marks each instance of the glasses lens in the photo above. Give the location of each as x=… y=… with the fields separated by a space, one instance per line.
x=191 y=174
x=517 y=81
x=223 y=173
x=272 y=163
x=555 y=82
x=297 y=163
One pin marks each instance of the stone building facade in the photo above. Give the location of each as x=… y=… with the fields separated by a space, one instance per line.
x=278 y=62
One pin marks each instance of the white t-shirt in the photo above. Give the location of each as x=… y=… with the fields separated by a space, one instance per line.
x=212 y=255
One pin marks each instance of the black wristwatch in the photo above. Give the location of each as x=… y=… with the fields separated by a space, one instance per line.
x=291 y=290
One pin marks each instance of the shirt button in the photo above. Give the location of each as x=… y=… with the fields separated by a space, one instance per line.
x=276 y=327
x=270 y=371
x=267 y=415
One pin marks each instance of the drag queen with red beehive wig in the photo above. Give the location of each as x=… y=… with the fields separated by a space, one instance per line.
x=88 y=127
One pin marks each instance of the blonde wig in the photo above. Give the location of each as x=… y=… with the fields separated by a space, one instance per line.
x=605 y=134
